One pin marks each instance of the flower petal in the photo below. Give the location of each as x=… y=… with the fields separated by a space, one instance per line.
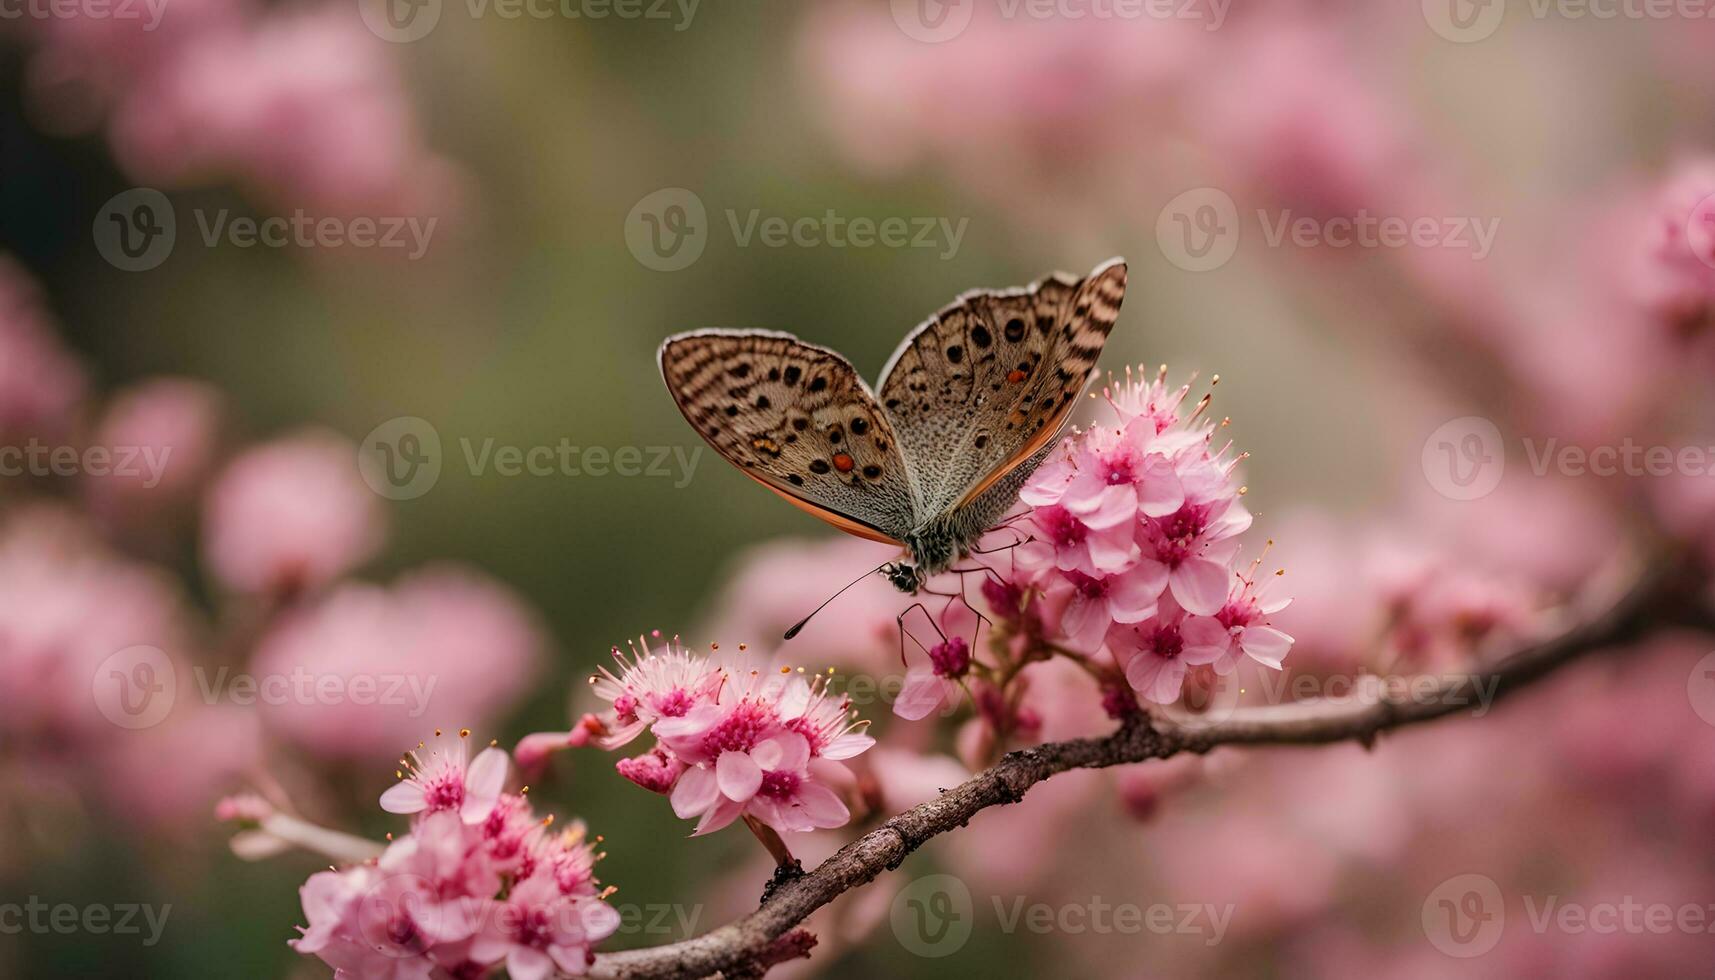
x=823 y=806
x=1199 y=585
x=483 y=782
x=921 y=694
x=696 y=791
x=1265 y=644
x=404 y=797
x=738 y=775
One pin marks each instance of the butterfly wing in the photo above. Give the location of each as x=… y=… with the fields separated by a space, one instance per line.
x=984 y=385
x=798 y=419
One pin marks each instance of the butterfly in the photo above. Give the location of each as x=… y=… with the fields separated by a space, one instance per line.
x=968 y=406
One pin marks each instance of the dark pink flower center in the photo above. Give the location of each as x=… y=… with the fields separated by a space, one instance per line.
x=674 y=703
x=1060 y=526
x=533 y=928
x=1186 y=523
x=1089 y=588
x=951 y=658
x=625 y=706
x=1167 y=643
x=739 y=731
x=779 y=784
x=1117 y=469
x=446 y=791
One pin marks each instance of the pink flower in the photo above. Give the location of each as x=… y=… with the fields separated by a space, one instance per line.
x=652 y=685
x=1061 y=541
x=929 y=686
x=828 y=724
x=538 y=928
x=290 y=515
x=1243 y=623
x=1156 y=652
x=448 y=780
x=1193 y=541
x=770 y=780
x=655 y=770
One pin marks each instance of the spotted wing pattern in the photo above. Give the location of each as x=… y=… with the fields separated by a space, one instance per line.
x=798 y=419
x=980 y=387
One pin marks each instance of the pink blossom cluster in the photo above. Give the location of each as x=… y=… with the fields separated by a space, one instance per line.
x=732 y=739
x=479 y=883
x=1128 y=544
x=303 y=107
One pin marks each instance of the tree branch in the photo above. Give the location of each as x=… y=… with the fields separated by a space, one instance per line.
x=1667 y=595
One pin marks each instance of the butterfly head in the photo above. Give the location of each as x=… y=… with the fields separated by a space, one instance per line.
x=906 y=577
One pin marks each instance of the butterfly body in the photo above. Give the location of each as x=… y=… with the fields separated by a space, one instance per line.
x=969 y=405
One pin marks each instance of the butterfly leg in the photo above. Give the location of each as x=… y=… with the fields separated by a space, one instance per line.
x=899 y=621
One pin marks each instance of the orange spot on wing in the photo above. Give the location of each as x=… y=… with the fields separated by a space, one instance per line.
x=843 y=463
x=1017 y=375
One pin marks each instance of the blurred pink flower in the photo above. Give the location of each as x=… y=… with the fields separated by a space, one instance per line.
x=212 y=749
x=169 y=428
x=290 y=515
x=445 y=637
x=66 y=606
x=41 y=384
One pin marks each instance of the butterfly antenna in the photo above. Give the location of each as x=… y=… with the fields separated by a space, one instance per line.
x=806 y=620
